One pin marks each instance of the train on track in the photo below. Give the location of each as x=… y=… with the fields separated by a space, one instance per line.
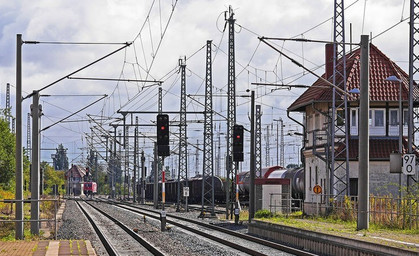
x=89 y=188
x=296 y=177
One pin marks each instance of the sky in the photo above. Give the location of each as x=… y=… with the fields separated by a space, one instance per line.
x=162 y=32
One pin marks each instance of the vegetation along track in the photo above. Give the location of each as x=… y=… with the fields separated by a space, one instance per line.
x=242 y=242
x=113 y=244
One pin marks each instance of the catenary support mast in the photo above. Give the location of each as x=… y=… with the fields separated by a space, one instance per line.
x=208 y=167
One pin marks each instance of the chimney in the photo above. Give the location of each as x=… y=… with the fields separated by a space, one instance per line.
x=329 y=60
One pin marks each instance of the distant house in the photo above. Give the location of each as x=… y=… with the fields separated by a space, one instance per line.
x=74 y=177
x=316 y=105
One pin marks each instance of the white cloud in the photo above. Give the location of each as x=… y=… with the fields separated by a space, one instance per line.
x=192 y=24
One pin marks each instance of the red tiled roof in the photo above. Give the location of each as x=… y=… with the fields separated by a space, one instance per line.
x=381 y=90
x=76 y=170
x=380 y=148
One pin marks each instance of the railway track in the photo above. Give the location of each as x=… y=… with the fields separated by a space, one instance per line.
x=117 y=238
x=238 y=241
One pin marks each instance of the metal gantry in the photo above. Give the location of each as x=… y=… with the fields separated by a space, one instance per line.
x=413 y=72
x=183 y=143
x=208 y=167
x=231 y=104
x=339 y=137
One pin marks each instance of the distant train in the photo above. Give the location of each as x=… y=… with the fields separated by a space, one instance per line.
x=195 y=189
x=296 y=177
x=90 y=188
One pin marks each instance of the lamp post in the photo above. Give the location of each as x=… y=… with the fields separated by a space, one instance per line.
x=395 y=79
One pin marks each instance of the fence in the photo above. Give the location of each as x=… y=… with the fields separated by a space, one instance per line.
x=383 y=210
x=284 y=203
x=56 y=203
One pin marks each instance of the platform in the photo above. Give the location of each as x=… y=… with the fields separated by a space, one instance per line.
x=47 y=248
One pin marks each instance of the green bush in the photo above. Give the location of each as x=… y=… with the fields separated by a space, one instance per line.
x=263 y=214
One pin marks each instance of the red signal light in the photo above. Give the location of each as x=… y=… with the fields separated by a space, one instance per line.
x=238 y=136
x=162 y=128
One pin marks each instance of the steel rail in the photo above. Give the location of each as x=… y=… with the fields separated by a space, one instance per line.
x=220 y=229
x=134 y=235
x=109 y=248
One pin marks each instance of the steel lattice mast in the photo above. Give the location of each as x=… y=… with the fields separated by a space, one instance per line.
x=258 y=142
x=208 y=167
x=282 y=144
x=28 y=137
x=8 y=103
x=339 y=138
x=183 y=143
x=231 y=105
x=267 y=147
x=413 y=71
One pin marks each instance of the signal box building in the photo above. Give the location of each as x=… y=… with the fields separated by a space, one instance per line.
x=316 y=105
x=74 y=178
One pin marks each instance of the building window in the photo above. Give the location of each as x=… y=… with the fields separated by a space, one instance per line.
x=394 y=117
x=340 y=117
x=405 y=117
x=379 y=118
x=353 y=186
x=310 y=178
x=354 y=118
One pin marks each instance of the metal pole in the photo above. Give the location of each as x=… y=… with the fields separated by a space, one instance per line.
x=401 y=136
x=19 y=160
x=36 y=112
x=142 y=178
x=114 y=163
x=252 y=159
x=135 y=162
x=363 y=172
x=156 y=177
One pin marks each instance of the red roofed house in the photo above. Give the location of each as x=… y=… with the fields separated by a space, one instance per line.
x=316 y=102
x=74 y=177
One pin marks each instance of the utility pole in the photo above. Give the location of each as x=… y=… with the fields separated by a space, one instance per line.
x=183 y=140
x=339 y=171
x=19 y=160
x=36 y=111
x=364 y=140
x=208 y=167
x=143 y=176
x=135 y=159
x=267 y=147
x=252 y=159
x=28 y=137
x=258 y=142
x=413 y=70
x=231 y=104
x=197 y=159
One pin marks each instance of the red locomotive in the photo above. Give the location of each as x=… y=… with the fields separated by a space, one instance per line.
x=90 y=188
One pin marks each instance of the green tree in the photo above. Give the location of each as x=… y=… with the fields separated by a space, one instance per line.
x=60 y=160
x=7 y=155
x=51 y=178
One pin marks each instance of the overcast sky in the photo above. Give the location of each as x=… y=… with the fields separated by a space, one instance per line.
x=162 y=32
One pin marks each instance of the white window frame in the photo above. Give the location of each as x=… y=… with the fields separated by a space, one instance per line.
x=375 y=129
x=354 y=127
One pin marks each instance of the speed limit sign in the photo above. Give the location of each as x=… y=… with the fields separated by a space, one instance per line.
x=409 y=164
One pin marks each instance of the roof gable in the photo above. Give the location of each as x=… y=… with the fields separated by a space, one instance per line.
x=381 y=90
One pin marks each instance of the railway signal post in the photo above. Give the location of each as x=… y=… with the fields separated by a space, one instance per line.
x=163 y=150
x=237 y=157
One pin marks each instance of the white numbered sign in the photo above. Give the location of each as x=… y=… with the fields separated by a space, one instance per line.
x=409 y=164
x=185 y=191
